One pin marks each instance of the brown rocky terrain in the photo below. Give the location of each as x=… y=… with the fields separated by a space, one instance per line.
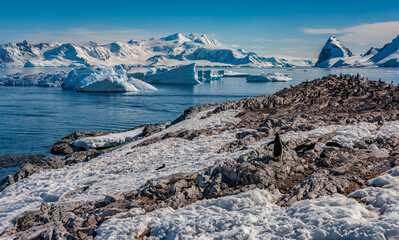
x=309 y=168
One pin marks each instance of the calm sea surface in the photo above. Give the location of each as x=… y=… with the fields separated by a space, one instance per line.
x=33 y=118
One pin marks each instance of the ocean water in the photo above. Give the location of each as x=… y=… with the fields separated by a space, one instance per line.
x=32 y=119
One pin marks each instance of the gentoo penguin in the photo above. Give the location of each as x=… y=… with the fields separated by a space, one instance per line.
x=163 y=166
x=277 y=147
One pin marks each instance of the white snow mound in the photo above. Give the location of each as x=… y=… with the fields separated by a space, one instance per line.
x=109 y=140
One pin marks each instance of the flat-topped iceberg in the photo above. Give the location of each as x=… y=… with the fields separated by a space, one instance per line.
x=181 y=75
x=103 y=79
x=40 y=79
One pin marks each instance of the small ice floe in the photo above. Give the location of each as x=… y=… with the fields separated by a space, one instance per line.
x=270 y=77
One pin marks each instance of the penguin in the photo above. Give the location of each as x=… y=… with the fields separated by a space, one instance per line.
x=305 y=147
x=334 y=144
x=277 y=146
x=163 y=166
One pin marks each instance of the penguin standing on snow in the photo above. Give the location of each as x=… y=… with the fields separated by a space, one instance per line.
x=277 y=147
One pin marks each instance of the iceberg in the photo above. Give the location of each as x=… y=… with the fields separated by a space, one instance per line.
x=141 y=85
x=270 y=77
x=181 y=75
x=103 y=79
x=110 y=84
x=40 y=79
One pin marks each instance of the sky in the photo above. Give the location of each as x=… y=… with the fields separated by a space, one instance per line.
x=286 y=28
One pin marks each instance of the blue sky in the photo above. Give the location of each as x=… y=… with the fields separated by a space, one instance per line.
x=293 y=28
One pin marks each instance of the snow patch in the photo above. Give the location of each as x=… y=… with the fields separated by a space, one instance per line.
x=253 y=215
x=109 y=140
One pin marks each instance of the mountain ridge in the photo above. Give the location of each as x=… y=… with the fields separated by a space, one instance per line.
x=335 y=54
x=175 y=49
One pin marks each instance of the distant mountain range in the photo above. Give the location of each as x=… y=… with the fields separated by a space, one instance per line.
x=173 y=50
x=335 y=54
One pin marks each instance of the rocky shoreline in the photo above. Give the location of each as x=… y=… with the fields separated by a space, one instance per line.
x=339 y=132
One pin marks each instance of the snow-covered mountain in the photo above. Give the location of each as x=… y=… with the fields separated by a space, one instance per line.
x=332 y=51
x=335 y=54
x=388 y=56
x=176 y=49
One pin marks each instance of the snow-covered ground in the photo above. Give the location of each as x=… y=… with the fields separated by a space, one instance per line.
x=251 y=215
x=123 y=169
x=129 y=167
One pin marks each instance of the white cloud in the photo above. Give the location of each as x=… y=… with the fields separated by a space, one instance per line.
x=287 y=40
x=321 y=30
x=364 y=34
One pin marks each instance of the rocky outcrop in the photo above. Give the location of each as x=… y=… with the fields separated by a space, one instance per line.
x=64 y=146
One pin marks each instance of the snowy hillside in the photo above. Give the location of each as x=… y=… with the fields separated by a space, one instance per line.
x=335 y=54
x=210 y=174
x=388 y=56
x=176 y=49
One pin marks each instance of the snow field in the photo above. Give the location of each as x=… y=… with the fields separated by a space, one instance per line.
x=123 y=169
x=128 y=168
x=251 y=215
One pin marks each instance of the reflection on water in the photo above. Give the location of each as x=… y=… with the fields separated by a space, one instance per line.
x=32 y=118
